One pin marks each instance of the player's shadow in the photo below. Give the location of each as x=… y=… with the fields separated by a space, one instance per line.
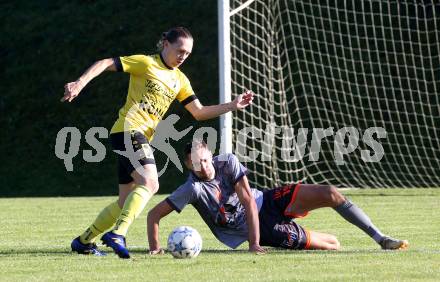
x=40 y=251
x=388 y=194
x=35 y=252
x=139 y=251
x=211 y=251
x=224 y=251
x=285 y=251
x=271 y=250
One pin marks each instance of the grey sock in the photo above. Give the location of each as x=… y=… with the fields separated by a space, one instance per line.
x=356 y=216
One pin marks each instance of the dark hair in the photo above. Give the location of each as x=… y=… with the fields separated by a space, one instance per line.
x=172 y=35
x=196 y=144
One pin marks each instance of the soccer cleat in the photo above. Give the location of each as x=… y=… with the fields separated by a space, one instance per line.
x=117 y=243
x=86 y=249
x=389 y=243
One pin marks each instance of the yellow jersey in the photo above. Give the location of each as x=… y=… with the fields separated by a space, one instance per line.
x=153 y=87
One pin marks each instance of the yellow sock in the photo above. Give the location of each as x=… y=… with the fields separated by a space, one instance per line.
x=105 y=220
x=133 y=206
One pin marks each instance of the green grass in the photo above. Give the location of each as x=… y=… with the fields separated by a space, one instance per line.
x=36 y=235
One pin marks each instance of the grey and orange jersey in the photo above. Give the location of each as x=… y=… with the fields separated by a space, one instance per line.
x=216 y=200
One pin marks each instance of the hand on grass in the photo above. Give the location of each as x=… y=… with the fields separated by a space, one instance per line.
x=257 y=249
x=157 y=252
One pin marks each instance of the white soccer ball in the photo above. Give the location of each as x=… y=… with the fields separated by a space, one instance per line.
x=184 y=242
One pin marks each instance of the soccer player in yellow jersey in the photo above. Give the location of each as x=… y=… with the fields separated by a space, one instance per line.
x=155 y=81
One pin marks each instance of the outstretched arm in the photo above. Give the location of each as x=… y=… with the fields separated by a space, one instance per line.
x=246 y=198
x=200 y=112
x=154 y=216
x=72 y=89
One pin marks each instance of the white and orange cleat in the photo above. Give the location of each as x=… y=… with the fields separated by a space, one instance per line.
x=389 y=243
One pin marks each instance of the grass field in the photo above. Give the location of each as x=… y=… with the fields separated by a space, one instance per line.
x=36 y=235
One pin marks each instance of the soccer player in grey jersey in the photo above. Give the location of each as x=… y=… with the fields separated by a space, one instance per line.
x=219 y=190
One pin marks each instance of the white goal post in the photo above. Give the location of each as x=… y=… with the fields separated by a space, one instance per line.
x=224 y=74
x=347 y=92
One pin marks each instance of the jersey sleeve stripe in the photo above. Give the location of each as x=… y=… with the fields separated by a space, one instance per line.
x=118 y=64
x=240 y=176
x=172 y=205
x=189 y=100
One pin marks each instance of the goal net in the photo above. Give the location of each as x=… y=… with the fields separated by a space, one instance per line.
x=347 y=92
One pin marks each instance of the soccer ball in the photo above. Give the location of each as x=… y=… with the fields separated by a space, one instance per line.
x=184 y=242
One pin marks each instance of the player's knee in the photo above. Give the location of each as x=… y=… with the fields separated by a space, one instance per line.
x=333 y=196
x=152 y=185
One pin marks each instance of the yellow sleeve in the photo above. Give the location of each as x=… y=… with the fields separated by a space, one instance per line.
x=135 y=64
x=186 y=93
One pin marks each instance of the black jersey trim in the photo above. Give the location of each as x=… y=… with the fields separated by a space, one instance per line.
x=118 y=64
x=240 y=176
x=172 y=205
x=189 y=100
x=163 y=62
